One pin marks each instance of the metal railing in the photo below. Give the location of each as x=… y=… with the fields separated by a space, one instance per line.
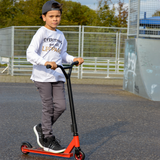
x=102 y=67
x=20 y=66
x=101 y=47
x=93 y=67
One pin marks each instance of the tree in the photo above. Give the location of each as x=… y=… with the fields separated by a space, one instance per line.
x=106 y=16
x=157 y=13
x=28 y=13
x=76 y=14
x=6 y=12
x=115 y=16
x=122 y=16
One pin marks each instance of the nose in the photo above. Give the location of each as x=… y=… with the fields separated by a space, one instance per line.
x=54 y=18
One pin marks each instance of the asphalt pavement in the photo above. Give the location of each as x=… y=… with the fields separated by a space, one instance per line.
x=113 y=124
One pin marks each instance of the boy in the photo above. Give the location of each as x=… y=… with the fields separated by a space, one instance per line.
x=49 y=46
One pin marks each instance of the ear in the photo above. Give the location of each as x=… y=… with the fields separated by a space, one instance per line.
x=44 y=17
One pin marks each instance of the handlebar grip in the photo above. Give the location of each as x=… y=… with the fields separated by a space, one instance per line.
x=75 y=63
x=48 y=66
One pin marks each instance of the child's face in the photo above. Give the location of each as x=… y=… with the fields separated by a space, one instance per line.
x=52 y=19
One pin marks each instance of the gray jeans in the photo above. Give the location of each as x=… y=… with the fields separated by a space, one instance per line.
x=53 y=104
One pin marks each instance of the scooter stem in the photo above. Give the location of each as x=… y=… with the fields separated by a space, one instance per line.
x=73 y=117
x=70 y=95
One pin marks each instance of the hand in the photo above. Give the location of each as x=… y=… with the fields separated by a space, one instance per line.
x=80 y=60
x=53 y=64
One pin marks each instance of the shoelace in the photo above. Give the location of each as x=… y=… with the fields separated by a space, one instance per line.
x=54 y=143
x=41 y=135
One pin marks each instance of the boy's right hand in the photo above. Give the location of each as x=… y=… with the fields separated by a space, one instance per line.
x=53 y=65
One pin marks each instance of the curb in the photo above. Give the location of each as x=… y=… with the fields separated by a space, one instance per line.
x=26 y=79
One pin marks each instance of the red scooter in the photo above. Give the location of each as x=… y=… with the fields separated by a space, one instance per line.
x=26 y=147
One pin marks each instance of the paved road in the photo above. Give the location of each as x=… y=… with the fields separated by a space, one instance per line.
x=113 y=124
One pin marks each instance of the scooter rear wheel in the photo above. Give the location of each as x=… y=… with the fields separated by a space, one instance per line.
x=25 y=145
x=79 y=156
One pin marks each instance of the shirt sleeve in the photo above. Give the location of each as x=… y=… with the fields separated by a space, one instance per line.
x=66 y=58
x=33 y=55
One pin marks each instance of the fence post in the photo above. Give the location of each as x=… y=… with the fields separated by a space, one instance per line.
x=138 y=16
x=79 y=52
x=117 y=50
x=107 y=68
x=12 y=51
x=95 y=67
x=117 y=66
x=128 y=20
x=82 y=45
x=119 y=46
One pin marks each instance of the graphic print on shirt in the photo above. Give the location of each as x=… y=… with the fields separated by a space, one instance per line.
x=52 y=45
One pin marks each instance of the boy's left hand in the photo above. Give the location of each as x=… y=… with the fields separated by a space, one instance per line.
x=79 y=59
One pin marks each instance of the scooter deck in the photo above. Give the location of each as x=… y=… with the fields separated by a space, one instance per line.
x=41 y=151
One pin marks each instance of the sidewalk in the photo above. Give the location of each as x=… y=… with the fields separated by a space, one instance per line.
x=26 y=79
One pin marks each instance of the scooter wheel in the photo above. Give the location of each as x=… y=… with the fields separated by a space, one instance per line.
x=25 y=145
x=79 y=156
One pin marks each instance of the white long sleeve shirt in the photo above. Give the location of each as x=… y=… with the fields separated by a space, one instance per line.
x=48 y=45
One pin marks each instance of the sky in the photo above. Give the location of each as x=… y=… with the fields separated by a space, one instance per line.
x=149 y=6
x=93 y=4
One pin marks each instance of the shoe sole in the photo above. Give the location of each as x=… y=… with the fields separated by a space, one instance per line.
x=36 y=133
x=53 y=151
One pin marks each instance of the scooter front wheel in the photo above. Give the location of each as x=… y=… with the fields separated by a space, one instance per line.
x=79 y=156
x=25 y=145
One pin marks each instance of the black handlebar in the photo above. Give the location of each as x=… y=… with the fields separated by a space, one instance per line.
x=63 y=68
x=59 y=66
